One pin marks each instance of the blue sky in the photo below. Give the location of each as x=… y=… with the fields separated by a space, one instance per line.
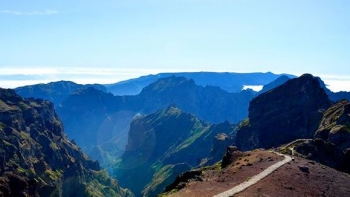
x=128 y=38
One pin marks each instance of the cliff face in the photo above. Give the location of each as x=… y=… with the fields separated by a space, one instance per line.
x=166 y=143
x=290 y=111
x=39 y=160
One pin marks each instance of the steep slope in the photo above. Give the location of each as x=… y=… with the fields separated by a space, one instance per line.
x=166 y=143
x=230 y=82
x=331 y=143
x=55 y=92
x=39 y=160
x=288 y=112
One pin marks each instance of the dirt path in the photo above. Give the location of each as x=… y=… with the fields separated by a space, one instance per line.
x=255 y=178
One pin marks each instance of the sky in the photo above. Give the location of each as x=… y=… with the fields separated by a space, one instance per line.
x=105 y=41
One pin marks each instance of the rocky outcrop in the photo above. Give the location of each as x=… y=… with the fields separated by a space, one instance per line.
x=166 y=143
x=331 y=143
x=289 y=112
x=335 y=125
x=232 y=154
x=37 y=159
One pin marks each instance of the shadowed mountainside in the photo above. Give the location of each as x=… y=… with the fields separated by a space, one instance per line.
x=37 y=159
x=288 y=112
x=166 y=143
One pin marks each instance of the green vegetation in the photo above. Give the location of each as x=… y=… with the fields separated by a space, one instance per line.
x=5 y=107
x=54 y=146
x=244 y=123
x=25 y=136
x=23 y=106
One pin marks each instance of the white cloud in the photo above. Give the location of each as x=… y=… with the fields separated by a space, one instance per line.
x=11 y=77
x=30 y=13
x=256 y=88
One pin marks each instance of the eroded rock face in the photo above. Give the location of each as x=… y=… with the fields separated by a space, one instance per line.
x=290 y=111
x=331 y=143
x=39 y=160
x=335 y=125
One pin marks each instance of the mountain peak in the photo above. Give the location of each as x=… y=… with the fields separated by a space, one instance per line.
x=281 y=115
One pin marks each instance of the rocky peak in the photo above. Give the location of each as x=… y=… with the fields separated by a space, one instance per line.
x=288 y=112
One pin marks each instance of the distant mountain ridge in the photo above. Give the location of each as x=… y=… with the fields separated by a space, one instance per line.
x=55 y=92
x=230 y=82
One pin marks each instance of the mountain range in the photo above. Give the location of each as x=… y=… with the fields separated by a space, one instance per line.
x=230 y=82
x=104 y=118
x=174 y=124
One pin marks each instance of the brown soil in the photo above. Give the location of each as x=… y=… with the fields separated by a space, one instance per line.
x=288 y=180
x=216 y=181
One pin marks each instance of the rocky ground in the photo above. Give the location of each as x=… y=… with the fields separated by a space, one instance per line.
x=300 y=177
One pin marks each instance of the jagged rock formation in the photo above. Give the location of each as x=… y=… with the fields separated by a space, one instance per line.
x=163 y=144
x=37 y=159
x=55 y=92
x=331 y=143
x=288 y=112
